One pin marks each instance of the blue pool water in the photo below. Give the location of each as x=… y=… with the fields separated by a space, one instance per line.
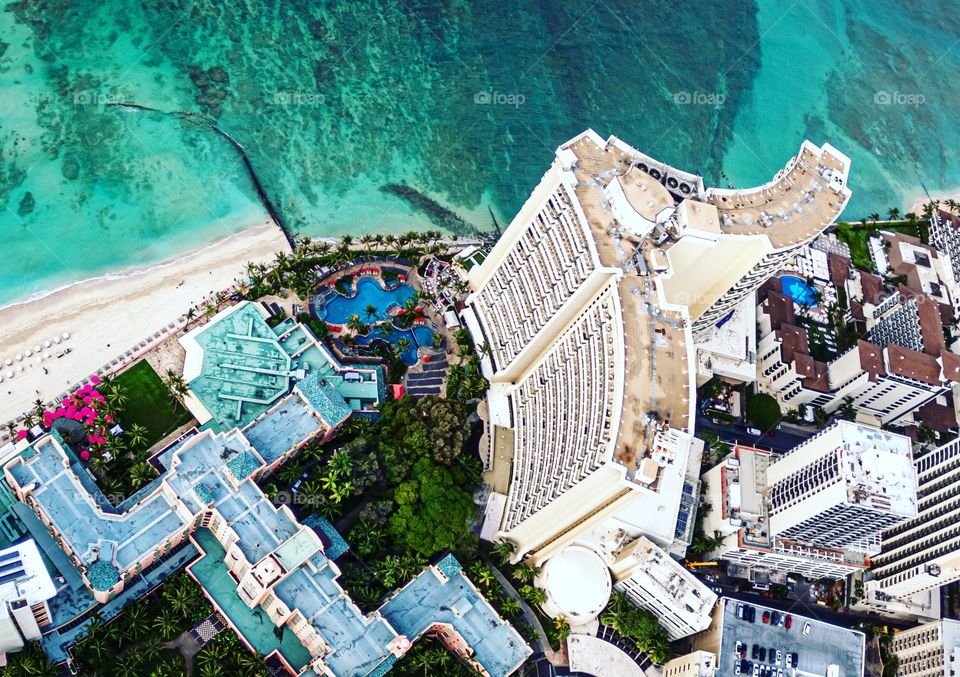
x=418 y=336
x=798 y=289
x=339 y=309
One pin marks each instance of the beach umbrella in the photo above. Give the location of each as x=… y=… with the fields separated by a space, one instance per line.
x=57 y=340
x=66 y=335
x=46 y=344
x=19 y=357
x=9 y=362
x=28 y=352
x=9 y=373
x=19 y=367
x=46 y=355
x=36 y=349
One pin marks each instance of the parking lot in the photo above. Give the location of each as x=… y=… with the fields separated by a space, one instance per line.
x=825 y=644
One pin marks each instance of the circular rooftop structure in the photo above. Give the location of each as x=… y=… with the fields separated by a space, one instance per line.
x=577 y=583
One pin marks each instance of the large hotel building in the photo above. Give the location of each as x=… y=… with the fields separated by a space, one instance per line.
x=589 y=303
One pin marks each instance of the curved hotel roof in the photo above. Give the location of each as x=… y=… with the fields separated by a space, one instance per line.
x=586 y=303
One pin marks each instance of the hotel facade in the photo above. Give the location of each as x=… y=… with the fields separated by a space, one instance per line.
x=589 y=304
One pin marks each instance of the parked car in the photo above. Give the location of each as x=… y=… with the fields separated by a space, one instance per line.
x=771 y=654
x=806 y=628
x=756 y=670
x=736 y=668
x=794 y=659
x=740 y=611
x=754 y=431
x=789 y=621
x=763 y=654
x=775 y=618
x=755 y=652
x=766 y=618
x=717 y=590
x=779 y=657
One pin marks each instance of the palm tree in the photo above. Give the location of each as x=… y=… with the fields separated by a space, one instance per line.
x=178 y=599
x=388 y=569
x=150 y=649
x=893 y=213
x=141 y=473
x=503 y=550
x=356 y=325
x=510 y=606
x=525 y=573
x=38 y=407
x=481 y=574
x=340 y=464
x=289 y=473
x=166 y=624
x=115 y=396
x=370 y=311
x=136 y=435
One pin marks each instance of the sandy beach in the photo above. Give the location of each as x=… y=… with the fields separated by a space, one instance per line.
x=917 y=200
x=108 y=316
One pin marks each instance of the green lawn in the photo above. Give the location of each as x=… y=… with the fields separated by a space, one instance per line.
x=148 y=403
x=855 y=235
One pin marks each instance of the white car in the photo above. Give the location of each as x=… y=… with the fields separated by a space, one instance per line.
x=754 y=431
x=806 y=628
x=779 y=657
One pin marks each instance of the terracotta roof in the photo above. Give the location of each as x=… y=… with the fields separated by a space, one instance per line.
x=839 y=268
x=773 y=284
x=871 y=359
x=793 y=342
x=939 y=417
x=857 y=311
x=780 y=309
x=914 y=364
x=872 y=287
x=951 y=366
x=931 y=322
x=814 y=373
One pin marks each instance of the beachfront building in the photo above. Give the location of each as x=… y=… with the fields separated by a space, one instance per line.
x=817 y=512
x=588 y=303
x=921 y=555
x=258 y=562
x=275 y=381
x=928 y=650
x=666 y=589
x=919 y=267
x=25 y=587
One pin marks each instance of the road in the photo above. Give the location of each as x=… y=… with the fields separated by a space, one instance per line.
x=782 y=440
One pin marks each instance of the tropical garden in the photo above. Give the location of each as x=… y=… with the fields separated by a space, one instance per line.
x=139 y=640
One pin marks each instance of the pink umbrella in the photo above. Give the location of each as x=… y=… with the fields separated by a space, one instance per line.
x=84 y=455
x=21 y=434
x=94 y=379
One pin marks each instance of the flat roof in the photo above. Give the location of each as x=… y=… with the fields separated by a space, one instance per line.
x=452 y=599
x=879 y=470
x=825 y=645
x=88 y=529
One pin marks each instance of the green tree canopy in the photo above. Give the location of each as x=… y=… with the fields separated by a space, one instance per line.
x=763 y=411
x=432 y=510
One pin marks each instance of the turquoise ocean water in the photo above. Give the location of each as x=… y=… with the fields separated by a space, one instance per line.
x=381 y=116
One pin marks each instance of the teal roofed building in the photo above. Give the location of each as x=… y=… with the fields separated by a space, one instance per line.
x=260 y=566
x=279 y=384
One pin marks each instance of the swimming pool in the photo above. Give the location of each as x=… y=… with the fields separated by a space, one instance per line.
x=798 y=289
x=418 y=336
x=338 y=309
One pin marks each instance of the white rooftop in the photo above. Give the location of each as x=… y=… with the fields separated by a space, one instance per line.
x=577 y=581
x=878 y=467
x=23 y=575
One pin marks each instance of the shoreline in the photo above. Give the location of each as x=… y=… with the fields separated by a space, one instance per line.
x=108 y=315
